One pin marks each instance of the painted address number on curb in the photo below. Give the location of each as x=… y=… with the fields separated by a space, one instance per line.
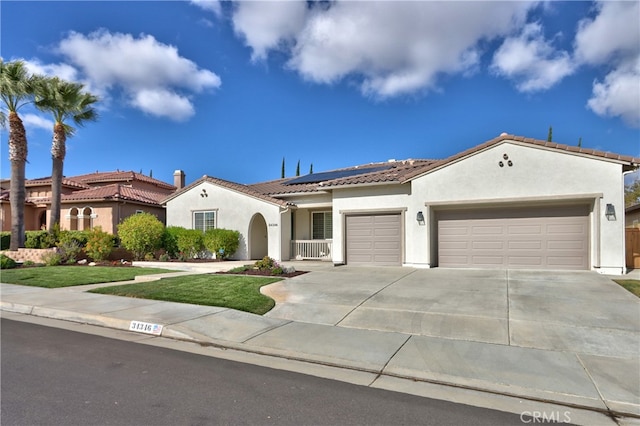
x=145 y=327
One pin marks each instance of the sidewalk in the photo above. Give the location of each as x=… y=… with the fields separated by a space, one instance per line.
x=398 y=361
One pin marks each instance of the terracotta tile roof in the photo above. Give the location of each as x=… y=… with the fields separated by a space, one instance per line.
x=120 y=176
x=115 y=192
x=280 y=187
x=244 y=189
x=69 y=182
x=394 y=171
x=629 y=162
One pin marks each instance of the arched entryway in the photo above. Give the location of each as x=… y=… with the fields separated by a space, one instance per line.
x=258 y=239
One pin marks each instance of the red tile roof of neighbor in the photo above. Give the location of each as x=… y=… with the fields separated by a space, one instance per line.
x=45 y=181
x=120 y=176
x=115 y=192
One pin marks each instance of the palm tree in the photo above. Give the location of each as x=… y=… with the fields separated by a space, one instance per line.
x=16 y=90
x=65 y=101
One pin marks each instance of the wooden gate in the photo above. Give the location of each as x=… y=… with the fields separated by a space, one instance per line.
x=632 y=243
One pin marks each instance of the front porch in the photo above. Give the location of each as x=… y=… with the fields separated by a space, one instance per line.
x=311 y=250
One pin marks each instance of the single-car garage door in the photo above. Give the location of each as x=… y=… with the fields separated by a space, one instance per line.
x=374 y=239
x=527 y=238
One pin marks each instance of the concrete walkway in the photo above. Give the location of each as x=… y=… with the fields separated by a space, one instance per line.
x=571 y=340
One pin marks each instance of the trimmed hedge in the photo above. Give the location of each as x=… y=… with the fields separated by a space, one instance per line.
x=5 y=240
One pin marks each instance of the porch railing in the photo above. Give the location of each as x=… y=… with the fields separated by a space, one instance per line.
x=311 y=249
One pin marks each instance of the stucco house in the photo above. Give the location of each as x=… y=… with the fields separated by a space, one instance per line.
x=94 y=199
x=511 y=202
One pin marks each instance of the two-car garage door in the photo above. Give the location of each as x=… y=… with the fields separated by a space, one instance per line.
x=538 y=238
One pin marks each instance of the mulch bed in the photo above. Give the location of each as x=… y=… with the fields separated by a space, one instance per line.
x=264 y=273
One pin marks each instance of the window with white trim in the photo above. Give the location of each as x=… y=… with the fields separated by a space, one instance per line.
x=204 y=220
x=322 y=225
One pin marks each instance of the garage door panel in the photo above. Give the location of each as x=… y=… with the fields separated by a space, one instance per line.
x=374 y=239
x=525 y=245
x=551 y=237
x=487 y=245
x=487 y=230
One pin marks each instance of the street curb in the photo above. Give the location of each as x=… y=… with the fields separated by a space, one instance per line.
x=167 y=332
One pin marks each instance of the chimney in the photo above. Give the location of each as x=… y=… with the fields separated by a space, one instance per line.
x=178 y=179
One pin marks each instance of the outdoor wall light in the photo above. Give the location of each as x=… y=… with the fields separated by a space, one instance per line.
x=610 y=212
x=420 y=217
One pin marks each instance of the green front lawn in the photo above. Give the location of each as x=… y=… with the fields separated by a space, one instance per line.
x=240 y=292
x=66 y=276
x=632 y=285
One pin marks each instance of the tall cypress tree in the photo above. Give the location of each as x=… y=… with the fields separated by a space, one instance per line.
x=550 y=135
x=298 y=169
x=311 y=169
x=282 y=172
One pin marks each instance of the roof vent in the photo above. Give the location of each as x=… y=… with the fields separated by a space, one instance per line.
x=504 y=134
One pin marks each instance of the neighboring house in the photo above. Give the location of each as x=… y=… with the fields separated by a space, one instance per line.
x=632 y=216
x=511 y=202
x=96 y=199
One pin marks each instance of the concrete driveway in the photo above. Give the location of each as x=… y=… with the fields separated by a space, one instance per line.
x=581 y=312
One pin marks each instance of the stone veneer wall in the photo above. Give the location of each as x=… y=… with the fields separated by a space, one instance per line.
x=24 y=254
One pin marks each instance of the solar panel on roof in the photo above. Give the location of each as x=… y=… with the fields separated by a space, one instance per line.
x=336 y=174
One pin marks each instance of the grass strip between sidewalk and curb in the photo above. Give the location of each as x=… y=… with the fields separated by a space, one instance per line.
x=67 y=276
x=632 y=285
x=240 y=292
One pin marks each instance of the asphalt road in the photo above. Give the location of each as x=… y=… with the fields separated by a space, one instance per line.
x=58 y=377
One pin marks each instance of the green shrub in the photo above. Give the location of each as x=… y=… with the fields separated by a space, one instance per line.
x=28 y=263
x=170 y=240
x=6 y=262
x=34 y=239
x=266 y=263
x=149 y=257
x=5 y=240
x=99 y=244
x=52 y=258
x=80 y=237
x=222 y=242
x=141 y=233
x=69 y=251
x=239 y=269
x=189 y=243
x=164 y=257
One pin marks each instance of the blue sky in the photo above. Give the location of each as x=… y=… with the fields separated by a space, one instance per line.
x=229 y=89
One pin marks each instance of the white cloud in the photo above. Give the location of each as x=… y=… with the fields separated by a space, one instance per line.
x=64 y=71
x=36 y=121
x=138 y=66
x=391 y=48
x=531 y=60
x=619 y=94
x=265 y=24
x=613 y=33
x=163 y=103
x=209 y=5
x=611 y=39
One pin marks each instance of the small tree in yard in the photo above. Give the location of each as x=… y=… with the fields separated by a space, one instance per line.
x=222 y=242
x=99 y=244
x=189 y=242
x=141 y=233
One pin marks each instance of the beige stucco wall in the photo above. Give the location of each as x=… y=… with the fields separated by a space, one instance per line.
x=234 y=211
x=537 y=176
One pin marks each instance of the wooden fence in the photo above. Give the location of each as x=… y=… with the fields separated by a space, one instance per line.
x=632 y=243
